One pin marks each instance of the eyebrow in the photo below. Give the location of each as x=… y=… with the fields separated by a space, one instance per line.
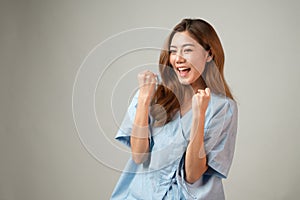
x=184 y=45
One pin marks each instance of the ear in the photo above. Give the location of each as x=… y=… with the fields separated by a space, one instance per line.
x=209 y=57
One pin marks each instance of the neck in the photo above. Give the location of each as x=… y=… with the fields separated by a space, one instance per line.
x=199 y=84
x=189 y=91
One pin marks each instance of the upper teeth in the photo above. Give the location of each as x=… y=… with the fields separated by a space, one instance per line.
x=182 y=68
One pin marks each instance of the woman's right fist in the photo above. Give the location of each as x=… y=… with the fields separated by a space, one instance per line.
x=147 y=82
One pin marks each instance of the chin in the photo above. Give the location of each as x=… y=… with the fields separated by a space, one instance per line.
x=184 y=81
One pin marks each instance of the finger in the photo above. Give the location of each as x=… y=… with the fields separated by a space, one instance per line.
x=201 y=92
x=149 y=72
x=153 y=75
x=147 y=76
x=207 y=91
x=150 y=79
x=142 y=74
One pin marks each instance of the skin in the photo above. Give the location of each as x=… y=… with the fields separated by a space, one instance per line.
x=139 y=137
x=187 y=53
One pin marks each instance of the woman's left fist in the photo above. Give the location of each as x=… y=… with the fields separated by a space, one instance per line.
x=200 y=101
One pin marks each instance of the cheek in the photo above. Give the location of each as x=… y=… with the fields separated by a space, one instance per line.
x=171 y=60
x=198 y=62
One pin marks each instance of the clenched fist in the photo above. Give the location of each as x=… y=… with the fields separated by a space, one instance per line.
x=147 y=82
x=200 y=101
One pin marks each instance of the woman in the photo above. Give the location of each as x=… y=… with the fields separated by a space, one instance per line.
x=182 y=132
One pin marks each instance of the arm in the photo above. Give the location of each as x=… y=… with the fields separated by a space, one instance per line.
x=195 y=158
x=139 y=139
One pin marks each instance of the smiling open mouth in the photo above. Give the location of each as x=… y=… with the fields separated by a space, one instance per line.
x=183 y=71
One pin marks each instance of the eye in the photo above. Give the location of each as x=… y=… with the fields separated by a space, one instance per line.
x=172 y=51
x=188 y=50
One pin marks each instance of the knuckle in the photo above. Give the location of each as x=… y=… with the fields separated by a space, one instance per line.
x=141 y=74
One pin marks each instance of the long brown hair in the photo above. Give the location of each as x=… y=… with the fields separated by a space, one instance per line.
x=170 y=93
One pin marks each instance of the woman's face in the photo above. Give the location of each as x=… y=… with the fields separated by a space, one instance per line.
x=188 y=58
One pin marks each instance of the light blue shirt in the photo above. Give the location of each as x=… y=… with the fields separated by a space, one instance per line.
x=162 y=175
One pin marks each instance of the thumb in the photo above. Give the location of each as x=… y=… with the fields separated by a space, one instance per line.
x=207 y=91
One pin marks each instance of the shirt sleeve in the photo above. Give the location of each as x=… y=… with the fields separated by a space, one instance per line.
x=220 y=135
x=124 y=132
x=206 y=187
x=219 y=140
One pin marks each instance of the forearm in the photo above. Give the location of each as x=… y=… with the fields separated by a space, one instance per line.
x=195 y=158
x=139 y=139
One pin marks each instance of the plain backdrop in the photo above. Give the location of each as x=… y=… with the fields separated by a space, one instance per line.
x=43 y=43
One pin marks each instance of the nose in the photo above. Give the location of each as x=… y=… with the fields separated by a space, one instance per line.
x=179 y=58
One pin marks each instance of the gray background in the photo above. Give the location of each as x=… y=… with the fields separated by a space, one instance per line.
x=43 y=43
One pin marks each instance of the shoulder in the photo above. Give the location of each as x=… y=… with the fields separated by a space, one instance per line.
x=223 y=104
